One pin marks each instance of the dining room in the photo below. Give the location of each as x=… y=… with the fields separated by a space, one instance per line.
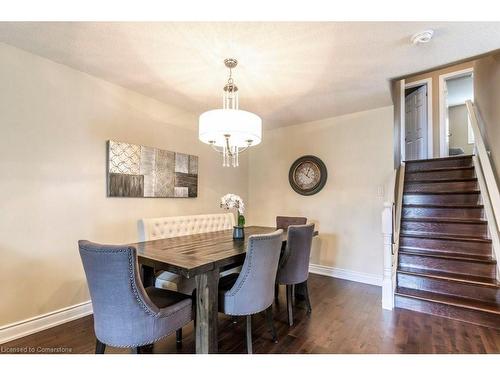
x=185 y=194
x=219 y=188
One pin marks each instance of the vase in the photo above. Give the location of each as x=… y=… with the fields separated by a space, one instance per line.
x=238 y=233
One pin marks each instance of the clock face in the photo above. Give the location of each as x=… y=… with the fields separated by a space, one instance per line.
x=307 y=175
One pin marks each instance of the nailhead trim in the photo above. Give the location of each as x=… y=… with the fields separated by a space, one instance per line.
x=133 y=285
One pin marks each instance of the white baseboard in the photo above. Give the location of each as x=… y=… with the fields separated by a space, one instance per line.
x=360 y=277
x=39 y=323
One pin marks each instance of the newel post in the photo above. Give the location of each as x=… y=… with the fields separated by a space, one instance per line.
x=387 y=282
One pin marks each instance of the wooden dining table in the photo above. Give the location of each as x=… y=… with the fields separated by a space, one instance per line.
x=202 y=257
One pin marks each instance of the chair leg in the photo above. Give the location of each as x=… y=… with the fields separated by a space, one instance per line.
x=249 y=334
x=276 y=292
x=99 y=347
x=270 y=322
x=289 y=307
x=306 y=295
x=299 y=292
x=178 y=337
x=145 y=349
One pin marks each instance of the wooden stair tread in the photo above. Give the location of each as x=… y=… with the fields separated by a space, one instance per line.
x=469 y=279
x=449 y=300
x=440 y=169
x=446 y=253
x=445 y=220
x=441 y=236
x=439 y=159
x=442 y=205
x=455 y=192
x=452 y=256
x=436 y=181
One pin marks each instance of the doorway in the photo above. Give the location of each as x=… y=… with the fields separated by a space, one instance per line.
x=456 y=133
x=417 y=141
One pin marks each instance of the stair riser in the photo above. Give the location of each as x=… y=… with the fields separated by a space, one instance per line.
x=448 y=311
x=475 y=230
x=440 y=175
x=447 y=265
x=449 y=287
x=435 y=187
x=441 y=198
x=462 y=213
x=465 y=247
x=444 y=163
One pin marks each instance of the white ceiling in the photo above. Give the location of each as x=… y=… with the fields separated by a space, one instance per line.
x=288 y=73
x=459 y=90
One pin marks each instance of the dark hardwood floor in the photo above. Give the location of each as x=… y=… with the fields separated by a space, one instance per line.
x=347 y=318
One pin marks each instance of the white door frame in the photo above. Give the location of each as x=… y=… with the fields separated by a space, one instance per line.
x=442 y=106
x=430 y=143
x=402 y=120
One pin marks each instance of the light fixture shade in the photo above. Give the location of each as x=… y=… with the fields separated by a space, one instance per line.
x=242 y=126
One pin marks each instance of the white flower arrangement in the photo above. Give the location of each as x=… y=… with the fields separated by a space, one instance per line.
x=230 y=201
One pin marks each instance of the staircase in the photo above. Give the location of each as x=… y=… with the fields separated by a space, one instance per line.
x=445 y=263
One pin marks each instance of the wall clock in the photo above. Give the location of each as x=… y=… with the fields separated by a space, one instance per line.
x=307 y=175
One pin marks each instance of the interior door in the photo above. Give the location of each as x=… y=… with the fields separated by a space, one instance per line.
x=416 y=124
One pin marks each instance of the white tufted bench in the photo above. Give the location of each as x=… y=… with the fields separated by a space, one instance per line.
x=175 y=226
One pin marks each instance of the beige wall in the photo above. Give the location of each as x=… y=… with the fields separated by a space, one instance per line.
x=487 y=99
x=435 y=96
x=54 y=125
x=357 y=150
x=458 y=121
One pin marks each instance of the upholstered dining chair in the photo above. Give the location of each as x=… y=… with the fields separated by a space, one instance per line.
x=125 y=314
x=294 y=265
x=283 y=222
x=251 y=291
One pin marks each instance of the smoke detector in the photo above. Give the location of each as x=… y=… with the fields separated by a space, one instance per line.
x=422 y=37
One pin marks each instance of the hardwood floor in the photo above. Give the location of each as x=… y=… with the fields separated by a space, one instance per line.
x=347 y=318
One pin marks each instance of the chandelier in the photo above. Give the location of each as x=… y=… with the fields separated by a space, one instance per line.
x=230 y=130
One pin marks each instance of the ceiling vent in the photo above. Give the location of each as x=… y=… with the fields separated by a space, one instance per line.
x=422 y=37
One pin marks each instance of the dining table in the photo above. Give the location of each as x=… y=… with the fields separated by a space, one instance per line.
x=200 y=256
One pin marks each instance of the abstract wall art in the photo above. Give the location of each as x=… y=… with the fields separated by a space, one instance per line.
x=141 y=171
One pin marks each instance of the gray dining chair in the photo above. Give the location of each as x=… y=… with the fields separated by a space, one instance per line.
x=283 y=222
x=294 y=265
x=125 y=314
x=251 y=291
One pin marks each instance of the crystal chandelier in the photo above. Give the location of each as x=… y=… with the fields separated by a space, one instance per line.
x=230 y=130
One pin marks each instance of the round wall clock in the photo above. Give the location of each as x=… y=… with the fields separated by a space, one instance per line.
x=307 y=175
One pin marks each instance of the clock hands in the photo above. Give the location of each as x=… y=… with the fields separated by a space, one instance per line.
x=308 y=170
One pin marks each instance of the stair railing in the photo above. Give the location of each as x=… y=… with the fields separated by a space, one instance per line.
x=487 y=181
x=391 y=223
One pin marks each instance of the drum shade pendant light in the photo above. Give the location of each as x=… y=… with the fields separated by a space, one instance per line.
x=230 y=130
